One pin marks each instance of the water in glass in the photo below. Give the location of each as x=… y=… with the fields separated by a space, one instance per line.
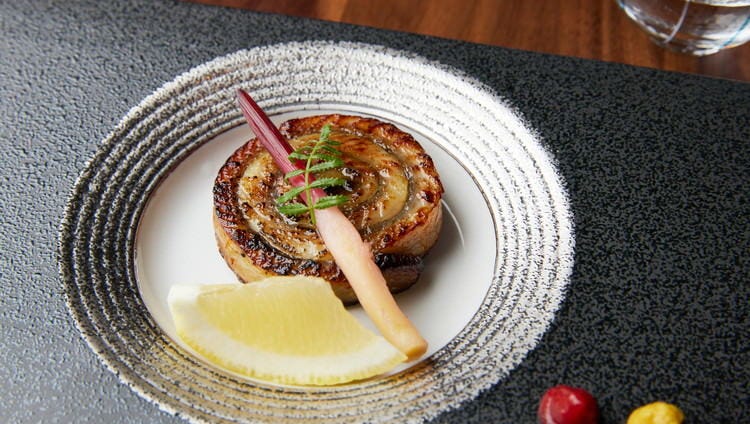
x=698 y=27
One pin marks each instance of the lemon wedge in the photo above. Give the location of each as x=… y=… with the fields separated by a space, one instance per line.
x=285 y=330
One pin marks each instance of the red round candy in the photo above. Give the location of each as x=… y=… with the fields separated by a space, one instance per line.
x=568 y=405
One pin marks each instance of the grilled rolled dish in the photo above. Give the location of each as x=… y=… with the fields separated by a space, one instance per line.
x=394 y=191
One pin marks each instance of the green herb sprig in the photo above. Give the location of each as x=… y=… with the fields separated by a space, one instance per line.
x=321 y=156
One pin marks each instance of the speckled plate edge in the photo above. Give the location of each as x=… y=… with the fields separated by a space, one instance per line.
x=524 y=193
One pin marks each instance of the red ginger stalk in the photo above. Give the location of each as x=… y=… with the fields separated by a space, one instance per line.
x=344 y=242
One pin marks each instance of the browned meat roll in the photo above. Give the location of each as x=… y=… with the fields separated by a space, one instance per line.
x=394 y=192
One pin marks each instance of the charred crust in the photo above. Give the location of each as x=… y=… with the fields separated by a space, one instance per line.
x=385 y=261
x=428 y=196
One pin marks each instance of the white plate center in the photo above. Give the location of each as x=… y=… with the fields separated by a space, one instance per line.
x=176 y=245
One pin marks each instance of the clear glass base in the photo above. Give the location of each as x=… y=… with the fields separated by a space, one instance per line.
x=695 y=27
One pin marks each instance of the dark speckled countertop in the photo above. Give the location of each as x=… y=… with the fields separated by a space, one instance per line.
x=657 y=167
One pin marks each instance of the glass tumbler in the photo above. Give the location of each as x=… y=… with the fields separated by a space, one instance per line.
x=698 y=27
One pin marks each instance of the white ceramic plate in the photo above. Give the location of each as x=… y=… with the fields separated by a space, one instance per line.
x=140 y=222
x=176 y=245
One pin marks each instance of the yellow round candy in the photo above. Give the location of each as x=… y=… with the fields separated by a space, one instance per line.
x=656 y=413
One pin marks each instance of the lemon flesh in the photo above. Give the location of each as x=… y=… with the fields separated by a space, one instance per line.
x=286 y=330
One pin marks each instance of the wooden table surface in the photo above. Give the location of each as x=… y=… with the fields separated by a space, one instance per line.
x=591 y=29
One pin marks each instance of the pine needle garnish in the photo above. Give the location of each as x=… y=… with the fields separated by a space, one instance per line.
x=322 y=156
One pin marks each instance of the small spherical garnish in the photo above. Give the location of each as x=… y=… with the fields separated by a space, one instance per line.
x=568 y=405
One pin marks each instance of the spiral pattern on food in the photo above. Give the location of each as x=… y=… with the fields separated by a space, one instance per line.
x=394 y=201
